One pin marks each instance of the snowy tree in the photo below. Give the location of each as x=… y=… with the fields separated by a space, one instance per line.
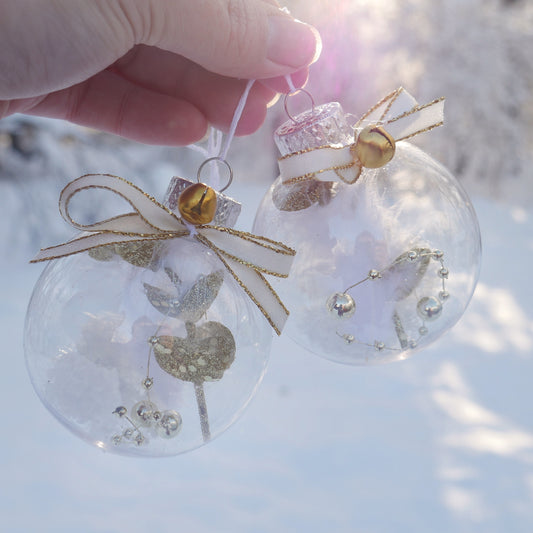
x=477 y=53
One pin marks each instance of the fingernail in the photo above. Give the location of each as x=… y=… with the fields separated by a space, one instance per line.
x=292 y=43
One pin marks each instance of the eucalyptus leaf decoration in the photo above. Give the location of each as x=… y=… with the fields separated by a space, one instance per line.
x=410 y=271
x=193 y=304
x=207 y=351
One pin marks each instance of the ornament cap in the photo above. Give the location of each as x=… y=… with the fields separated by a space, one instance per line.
x=320 y=126
x=227 y=209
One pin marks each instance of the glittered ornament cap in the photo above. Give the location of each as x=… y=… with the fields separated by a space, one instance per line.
x=320 y=126
x=227 y=209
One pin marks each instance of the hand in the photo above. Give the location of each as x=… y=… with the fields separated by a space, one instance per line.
x=156 y=71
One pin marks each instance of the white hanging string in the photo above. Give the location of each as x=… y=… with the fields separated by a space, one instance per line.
x=236 y=117
x=214 y=141
x=198 y=148
x=290 y=83
x=213 y=148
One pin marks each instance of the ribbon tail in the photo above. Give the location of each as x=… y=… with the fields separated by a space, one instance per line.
x=255 y=286
x=419 y=119
x=95 y=240
x=377 y=113
x=260 y=292
x=401 y=102
x=402 y=116
x=256 y=252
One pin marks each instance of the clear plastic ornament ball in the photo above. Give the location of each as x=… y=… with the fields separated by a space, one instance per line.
x=384 y=266
x=144 y=349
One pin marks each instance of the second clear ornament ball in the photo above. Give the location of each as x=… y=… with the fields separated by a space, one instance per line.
x=384 y=265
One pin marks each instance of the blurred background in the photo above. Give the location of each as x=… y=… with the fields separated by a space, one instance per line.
x=441 y=442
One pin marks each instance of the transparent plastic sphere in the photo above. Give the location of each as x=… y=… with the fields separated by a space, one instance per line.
x=147 y=361
x=402 y=243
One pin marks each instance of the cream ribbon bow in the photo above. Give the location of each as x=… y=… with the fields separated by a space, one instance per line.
x=400 y=115
x=247 y=257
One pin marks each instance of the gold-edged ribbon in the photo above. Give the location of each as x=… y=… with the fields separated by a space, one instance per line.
x=247 y=257
x=398 y=113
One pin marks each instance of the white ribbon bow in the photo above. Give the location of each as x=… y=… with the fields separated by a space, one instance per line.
x=247 y=257
x=399 y=113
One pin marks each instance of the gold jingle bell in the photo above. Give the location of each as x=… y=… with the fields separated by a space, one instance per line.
x=197 y=204
x=374 y=147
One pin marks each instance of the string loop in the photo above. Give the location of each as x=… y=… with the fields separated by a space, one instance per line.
x=210 y=160
x=294 y=93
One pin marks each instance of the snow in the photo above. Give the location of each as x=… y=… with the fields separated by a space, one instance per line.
x=441 y=442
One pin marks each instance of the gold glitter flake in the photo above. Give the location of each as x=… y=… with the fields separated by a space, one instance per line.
x=137 y=253
x=204 y=355
x=298 y=196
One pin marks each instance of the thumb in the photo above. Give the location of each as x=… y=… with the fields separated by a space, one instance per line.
x=237 y=38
